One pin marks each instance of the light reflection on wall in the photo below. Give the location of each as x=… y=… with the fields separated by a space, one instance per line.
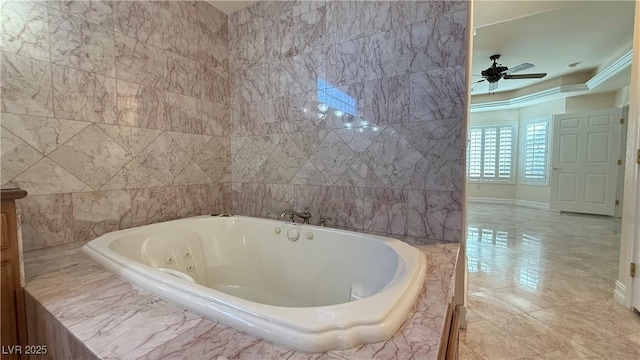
x=332 y=99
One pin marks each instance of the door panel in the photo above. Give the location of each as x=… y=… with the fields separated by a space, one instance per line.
x=593 y=184
x=585 y=169
x=568 y=184
x=598 y=148
x=569 y=148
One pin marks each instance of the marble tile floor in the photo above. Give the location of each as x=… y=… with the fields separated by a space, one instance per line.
x=541 y=287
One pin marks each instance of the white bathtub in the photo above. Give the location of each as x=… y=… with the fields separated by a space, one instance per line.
x=330 y=289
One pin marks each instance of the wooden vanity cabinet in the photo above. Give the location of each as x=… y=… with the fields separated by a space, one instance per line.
x=12 y=316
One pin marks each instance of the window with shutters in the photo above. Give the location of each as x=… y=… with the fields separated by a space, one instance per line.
x=535 y=151
x=491 y=153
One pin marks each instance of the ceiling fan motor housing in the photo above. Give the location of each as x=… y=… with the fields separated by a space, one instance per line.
x=494 y=73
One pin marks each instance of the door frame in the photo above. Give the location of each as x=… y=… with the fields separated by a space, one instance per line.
x=627 y=289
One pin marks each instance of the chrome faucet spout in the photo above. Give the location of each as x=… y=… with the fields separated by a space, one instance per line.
x=292 y=213
x=287 y=212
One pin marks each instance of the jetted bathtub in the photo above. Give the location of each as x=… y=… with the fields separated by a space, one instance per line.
x=307 y=287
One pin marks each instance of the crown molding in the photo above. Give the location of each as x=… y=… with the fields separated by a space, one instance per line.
x=611 y=70
x=557 y=92
x=531 y=99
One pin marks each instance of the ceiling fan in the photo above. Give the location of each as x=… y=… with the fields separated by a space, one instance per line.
x=496 y=72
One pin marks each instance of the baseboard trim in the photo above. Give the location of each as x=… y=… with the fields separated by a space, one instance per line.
x=462 y=311
x=532 y=204
x=516 y=202
x=619 y=293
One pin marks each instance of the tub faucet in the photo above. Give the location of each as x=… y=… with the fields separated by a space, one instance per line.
x=323 y=220
x=292 y=213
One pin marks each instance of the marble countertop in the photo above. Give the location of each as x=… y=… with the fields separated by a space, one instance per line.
x=114 y=319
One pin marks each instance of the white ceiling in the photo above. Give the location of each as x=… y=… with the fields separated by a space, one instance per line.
x=557 y=33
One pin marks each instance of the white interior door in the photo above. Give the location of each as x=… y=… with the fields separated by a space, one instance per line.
x=585 y=162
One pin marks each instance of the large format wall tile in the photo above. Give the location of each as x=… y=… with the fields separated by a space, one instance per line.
x=214 y=84
x=433 y=42
x=17 y=156
x=387 y=100
x=190 y=143
x=140 y=20
x=437 y=94
x=213 y=49
x=132 y=139
x=141 y=106
x=121 y=106
x=282 y=164
x=182 y=75
x=385 y=210
x=216 y=118
x=345 y=20
x=192 y=174
x=180 y=36
x=215 y=159
x=98 y=212
x=434 y=214
x=332 y=157
x=386 y=15
x=146 y=206
x=25 y=29
x=139 y=62
x=266 y=200
x=218 y=198
x=47 y=221
x=92 y=156
x=47 y=177
x=344 y=205
x=79 y=95
x=132 y=176
x=98 y=12
x=181 y=113
x=213 y=19
x=81 y=44
x=26 y=86
x=164 y=158
x=385 y=128
x=309 y=30
x=44 y=134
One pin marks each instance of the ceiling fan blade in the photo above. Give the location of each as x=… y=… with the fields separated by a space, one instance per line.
x=525 y=76
x=520 y=67
x=493 y=86
x=479 y=81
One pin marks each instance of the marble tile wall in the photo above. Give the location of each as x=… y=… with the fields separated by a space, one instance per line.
x=392 y=162
x=114 y=114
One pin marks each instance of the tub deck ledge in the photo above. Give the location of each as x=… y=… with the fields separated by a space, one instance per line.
x=82 y=311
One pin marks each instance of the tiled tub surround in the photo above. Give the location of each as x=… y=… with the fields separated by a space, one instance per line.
x=117 y=114
x=114 y=114
x=95 y=314
x=393 y=163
